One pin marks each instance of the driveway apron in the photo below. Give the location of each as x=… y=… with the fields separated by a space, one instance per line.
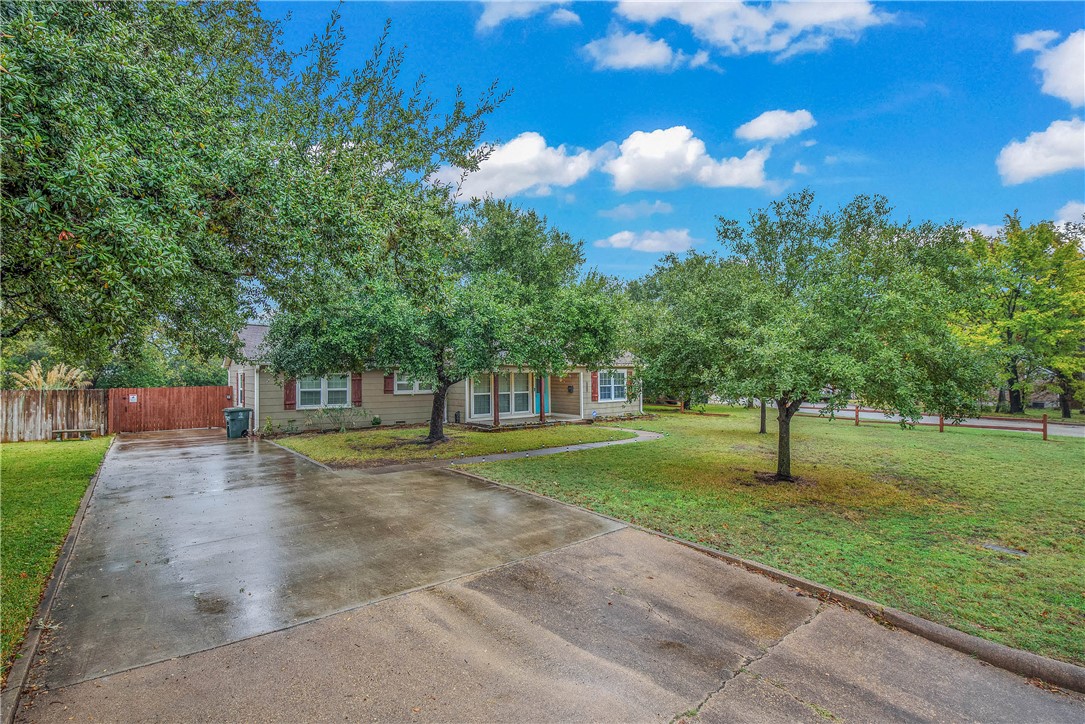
x=192 y=541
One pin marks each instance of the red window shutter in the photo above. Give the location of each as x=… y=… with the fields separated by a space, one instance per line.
x=355 y=389
x=389 y=384
x=595 y=387
x=290 y=394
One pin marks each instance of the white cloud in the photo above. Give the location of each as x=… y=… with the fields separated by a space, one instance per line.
x=800 y=168
x=620 y=50
x=496 y=12
x=782 y=28
x=1037 y=40
x=673 y=157
x=776 y=125
x=564 y=16
x=625 y=51
x=1060 y=148
x=526 y=165
x=649 y=241
x=626 y=212
x=1071 y=212
x=1062 y=67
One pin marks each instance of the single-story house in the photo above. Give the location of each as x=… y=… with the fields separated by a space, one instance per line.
x=511 y=396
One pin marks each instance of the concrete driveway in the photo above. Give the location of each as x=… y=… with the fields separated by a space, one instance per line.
x=230 y=580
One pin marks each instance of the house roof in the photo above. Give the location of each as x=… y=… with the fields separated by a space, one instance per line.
x=252 y=341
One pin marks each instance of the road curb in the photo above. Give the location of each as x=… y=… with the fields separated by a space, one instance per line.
x=1057 y=673
x=20 y=669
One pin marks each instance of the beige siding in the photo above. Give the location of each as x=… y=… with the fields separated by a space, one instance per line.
x=391 y=408
x=562 y=401
x=456 y=401
x=631 y=406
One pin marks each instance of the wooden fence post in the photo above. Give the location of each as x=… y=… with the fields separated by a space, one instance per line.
x=941 y=423
x=1045 y=426
x=857 y=414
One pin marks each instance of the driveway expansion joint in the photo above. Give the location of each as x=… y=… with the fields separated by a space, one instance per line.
x=748 y=661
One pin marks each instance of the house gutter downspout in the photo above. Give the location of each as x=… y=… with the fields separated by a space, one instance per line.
x=256 y=399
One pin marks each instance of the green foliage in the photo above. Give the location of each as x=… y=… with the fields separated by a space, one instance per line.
x=499 y=288
x=674 y=324
x=1031 y=309
x=168 y=165
x=809 y=304
x=850 y=302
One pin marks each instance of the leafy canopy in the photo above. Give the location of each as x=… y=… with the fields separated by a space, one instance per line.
x=169 y=165
x=849 y=302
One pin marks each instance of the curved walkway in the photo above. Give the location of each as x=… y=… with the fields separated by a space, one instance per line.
x=640 y=436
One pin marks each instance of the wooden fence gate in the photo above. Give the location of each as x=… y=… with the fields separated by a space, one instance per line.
x=143 y=409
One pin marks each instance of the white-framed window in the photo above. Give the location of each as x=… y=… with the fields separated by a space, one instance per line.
x=405 y=386
x=612 y=385
x=513 y=394
x=482 y=396
x=327 y=391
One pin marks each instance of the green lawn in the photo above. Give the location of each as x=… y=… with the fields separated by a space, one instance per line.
x=41 y=484
x=897 y=516
x=393 y=446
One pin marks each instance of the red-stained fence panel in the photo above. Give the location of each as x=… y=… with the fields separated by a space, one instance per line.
x=144 y=409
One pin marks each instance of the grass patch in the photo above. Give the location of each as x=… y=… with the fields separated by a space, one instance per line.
x=897 y=516
x=398 y=445
x=42 y=484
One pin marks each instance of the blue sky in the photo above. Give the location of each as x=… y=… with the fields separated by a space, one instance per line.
x=634 y=125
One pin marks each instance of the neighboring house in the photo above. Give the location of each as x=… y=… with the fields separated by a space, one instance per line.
x=510 y=397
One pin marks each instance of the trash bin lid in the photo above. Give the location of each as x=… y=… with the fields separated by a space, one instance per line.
x=237 y=409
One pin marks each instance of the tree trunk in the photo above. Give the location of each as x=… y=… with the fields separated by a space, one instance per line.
x=786 y=409
x=764 y=405
x=1065 y=398
x=437 y=415
x=1017 y=405
x=1000 y=406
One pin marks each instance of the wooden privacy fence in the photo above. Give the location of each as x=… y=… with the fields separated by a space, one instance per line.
x=27 y=415
x=1020 y=424
x=143 y=409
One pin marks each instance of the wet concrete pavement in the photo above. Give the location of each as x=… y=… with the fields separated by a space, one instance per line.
x=192 y=541
x=592 y=620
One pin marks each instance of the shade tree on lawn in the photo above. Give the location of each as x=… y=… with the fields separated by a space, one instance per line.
x=674 y=330
x=500 y=288
x=845 y=302
x=1031 y=306
x=171 y=166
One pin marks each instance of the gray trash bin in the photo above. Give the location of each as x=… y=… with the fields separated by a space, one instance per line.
x=237 y=420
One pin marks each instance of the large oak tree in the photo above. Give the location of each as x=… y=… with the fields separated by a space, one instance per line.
x=844 y=303
x=170 y=166
x=499 y=287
